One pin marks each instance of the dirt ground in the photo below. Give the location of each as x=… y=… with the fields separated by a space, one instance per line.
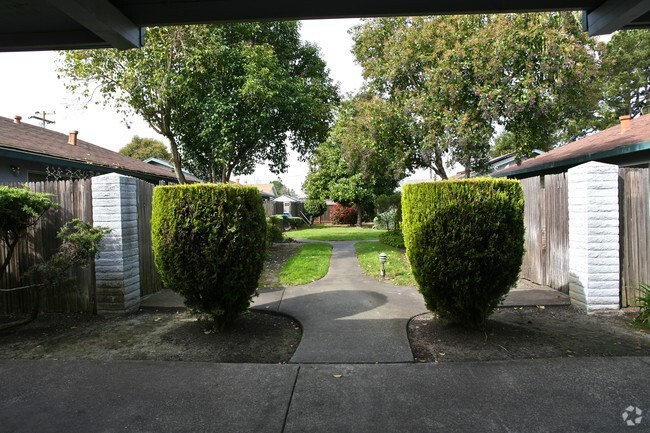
x=529 y=332
x=258 y=337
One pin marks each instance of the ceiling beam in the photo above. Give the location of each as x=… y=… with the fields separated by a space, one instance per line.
x=104 y=20
x=613 y=15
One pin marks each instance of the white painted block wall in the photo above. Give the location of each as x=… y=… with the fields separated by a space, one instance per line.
x=594 y=236
x=117 y=268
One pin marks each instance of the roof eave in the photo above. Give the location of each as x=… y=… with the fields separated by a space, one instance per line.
x=571 y=162
x=36 y=157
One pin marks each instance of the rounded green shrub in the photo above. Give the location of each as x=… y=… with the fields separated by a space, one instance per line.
x=273 y=231
x=465 y=242
x=209 y=245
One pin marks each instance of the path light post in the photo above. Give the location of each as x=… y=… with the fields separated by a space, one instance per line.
x=382 y=260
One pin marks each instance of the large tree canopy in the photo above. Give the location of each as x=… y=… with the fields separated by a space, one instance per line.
x=625 y=76
x=226 y=96
x=455 y=77
x=143 y=148
x=359 y=160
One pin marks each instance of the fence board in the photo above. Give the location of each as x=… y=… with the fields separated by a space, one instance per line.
x=75 y=199
x=150 y=281
x=634 y=206
x=546 y=216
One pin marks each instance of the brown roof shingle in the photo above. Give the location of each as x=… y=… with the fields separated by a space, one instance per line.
x=41 y=141
x=593 y=145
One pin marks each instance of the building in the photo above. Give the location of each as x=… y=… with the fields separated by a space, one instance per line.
x=625 y=145
x=31 y=153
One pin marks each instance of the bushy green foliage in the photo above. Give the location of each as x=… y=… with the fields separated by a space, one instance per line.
x=643 y=318
x=465 y=242
x=273 y=231
x=387 y=220
x=343 y=215
x=80 y=243
x=209 y=245
x=394 y=238
x=20 y=208
x=314 y=208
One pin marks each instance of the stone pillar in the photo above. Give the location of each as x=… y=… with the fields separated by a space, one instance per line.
x=594 y=280
x=117 y=268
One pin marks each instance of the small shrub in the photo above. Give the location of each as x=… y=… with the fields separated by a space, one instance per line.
x=208 y=243
x=296 y=222
x=465 y=242
x=386 y=220
x=20 y=208
x=394 y=238
x=343 y=215
x=314 y=208
x=643 y=318
x=273 y=231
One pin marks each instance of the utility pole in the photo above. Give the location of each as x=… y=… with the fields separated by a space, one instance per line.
x=43 y=119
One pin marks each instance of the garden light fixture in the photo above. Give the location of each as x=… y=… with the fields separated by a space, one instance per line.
x=382 y=260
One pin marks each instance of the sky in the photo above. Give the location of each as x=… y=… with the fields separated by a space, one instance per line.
x=29 y=84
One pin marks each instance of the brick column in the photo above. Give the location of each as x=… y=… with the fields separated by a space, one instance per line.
x=594 y=280
x=117 y=268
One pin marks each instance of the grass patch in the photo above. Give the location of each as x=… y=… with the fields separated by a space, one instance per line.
x=309 y=264
x=398 y=271
x=335 y=233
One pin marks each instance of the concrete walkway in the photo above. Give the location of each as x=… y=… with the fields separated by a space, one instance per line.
x=527 y=396
x=347 y=316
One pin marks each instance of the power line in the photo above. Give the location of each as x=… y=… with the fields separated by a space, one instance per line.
x=43 y=119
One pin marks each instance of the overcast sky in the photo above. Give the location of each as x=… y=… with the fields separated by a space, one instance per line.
x=29 y=84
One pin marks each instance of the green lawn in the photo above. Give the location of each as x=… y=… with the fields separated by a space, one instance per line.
x=398 y=271
x=310 y=263
x=335 y=233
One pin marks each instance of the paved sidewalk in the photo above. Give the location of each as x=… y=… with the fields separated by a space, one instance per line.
x=349 y=317
x=527 y=396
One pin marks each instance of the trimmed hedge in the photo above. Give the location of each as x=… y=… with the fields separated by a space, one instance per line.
x=209 y=245
x=465 y=242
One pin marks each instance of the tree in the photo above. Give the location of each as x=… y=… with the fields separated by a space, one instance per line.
x=356 y=163
x=625 y=76
x=424 y=67
x=225 y=96
x=282 y=189
x=453 y=78
x=540 y=72
x=143 y=148
x=314 y=208
x=262 y=87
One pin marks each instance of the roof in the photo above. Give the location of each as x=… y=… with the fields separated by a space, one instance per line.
x=66 y=24
x=610 y=143
x=265 y=188
x=287 y=198
x=44 y=145
x=166 y=164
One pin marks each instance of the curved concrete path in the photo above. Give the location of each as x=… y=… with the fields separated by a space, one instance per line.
x=348 y=317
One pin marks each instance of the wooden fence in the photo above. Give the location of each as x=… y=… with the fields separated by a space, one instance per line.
x=634 y=203
x=150 y=281
x=278 y=208
x=75 y=200
x=546 y=216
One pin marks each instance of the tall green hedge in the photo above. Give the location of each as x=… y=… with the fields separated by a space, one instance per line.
x=209 y=245
x=465 y=242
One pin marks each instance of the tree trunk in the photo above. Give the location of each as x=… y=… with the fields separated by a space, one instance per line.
x=358 y=208
x=176 y=157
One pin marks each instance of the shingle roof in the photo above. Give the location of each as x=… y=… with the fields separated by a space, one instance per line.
x=267 y=188
x=41 y=141
x=589 y=148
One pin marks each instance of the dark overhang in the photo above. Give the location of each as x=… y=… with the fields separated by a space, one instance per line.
x=69 y=24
